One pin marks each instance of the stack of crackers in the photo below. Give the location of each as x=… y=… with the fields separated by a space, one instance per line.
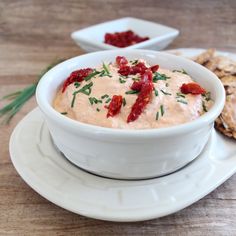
x=225 y=69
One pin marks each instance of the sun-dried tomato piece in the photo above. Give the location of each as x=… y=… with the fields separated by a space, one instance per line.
x=138 y=68
x=145 y=77
x=137 y=85
x=121 y=61
x=114 y=106
x=143 y=98
x=125 y=70
x=76 y=76
x=192 y=88
x=123 y=39
x=154 y=68
x=133 y=70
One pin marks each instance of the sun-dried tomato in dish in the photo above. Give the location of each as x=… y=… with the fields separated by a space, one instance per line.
x=123 y=39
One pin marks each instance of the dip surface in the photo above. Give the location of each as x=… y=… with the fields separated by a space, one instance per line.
x=167 y=107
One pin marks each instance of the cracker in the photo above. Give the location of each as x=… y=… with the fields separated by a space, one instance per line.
x=229 y=80
x=212 y=64
x=220 y=127
x=225 y=69
x=226 y=122
x=205 y=56
x=221 y=73
x=226 y=64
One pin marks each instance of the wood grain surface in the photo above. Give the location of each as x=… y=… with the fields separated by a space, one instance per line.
x=35 y=32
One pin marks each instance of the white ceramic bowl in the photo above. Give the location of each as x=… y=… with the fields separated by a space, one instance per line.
x=92 y=38
x=129 y=154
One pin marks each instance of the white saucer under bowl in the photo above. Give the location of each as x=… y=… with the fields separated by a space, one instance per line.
x=50 y=174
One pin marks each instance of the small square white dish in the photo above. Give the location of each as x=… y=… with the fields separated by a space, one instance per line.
x=92 y=38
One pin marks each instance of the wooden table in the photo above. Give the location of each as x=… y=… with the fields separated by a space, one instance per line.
x=32 y=34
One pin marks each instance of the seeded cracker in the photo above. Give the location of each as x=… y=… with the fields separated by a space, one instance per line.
x=212 y=64
x=220 y=73
x=225 y=69
x=205 y=56
x=229 y=80
x=226 y=65
x=226 y=122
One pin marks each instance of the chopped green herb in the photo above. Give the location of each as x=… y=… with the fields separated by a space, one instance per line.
x=104 y=96
x=157 y=76
x=64 y=113
x=105 y=68
x=98 y=101
x=102 y=73
x=98 y=109
x=77 y=84
x=204 y=106
x=86 y=89
x=156 y=92
x=162 y=110
x=135 y=79
x=73 y=100
x=180 y=95
x=134 y=62
x=122 y=81
x=157 y=115
x=182 y=101
x=90 y=76
x=207 y=96
x=165 y=92
x=106 y=71
x=132 y=92
x=93 y=100
x=108 y=100
x=123 y=102
x=181 y=71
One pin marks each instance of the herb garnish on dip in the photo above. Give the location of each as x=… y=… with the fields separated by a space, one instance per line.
x=131 y=95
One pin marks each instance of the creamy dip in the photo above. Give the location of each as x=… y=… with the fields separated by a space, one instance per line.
x=167 y=107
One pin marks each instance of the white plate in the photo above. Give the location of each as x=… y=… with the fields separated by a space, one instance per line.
x=192 y=52
x=52 y=176
x=91 y=38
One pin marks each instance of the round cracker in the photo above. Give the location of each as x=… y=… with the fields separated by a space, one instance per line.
x=226 y=122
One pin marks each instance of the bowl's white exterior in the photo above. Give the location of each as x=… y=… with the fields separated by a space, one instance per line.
x=91 y=38
x=129 y=154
